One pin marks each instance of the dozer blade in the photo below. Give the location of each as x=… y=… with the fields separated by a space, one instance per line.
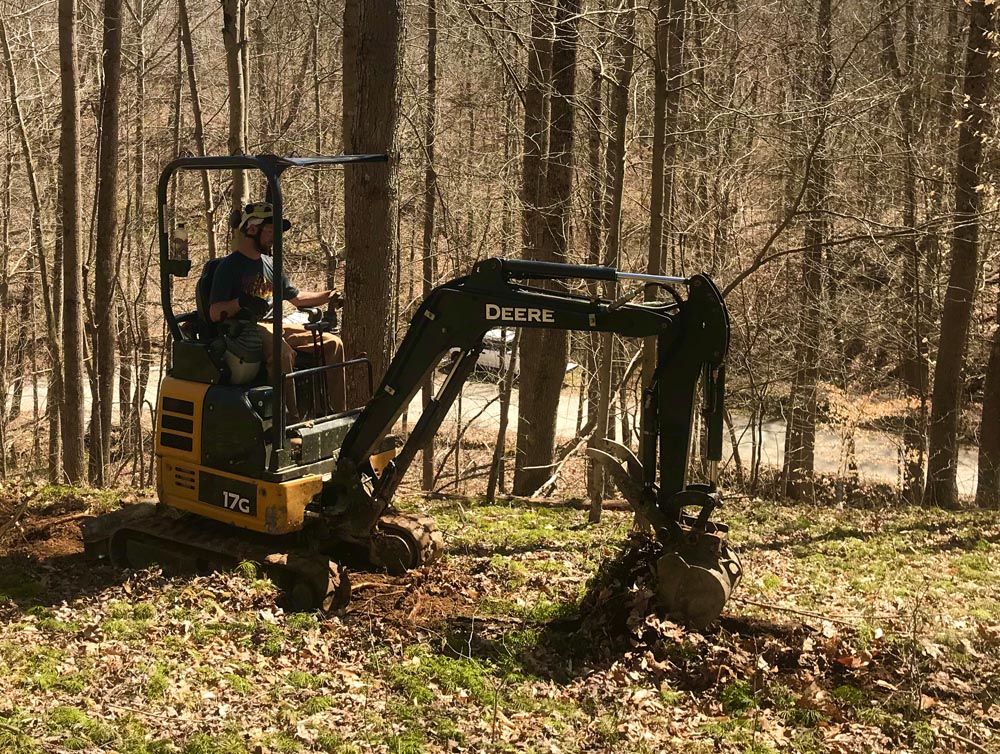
x=141 y=536
x=697 y=570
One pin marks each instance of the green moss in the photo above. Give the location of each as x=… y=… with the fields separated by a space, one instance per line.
x=317 y=705
x=669 y=696
x=450 y=674
x=302 y=622
x=606 y=728
x=144 y=611
x=271 y=641
x=41 y=671
x=157 y=683
x=810 y=742
x=923 y=737
x=281 y=743
x=737 y=697
x=444 y=729
x=973 y=566
x=226 y=743
x=770 y=582
x=248 y=570
x=202 y=633
x=56 y=626
x=803 y=717
x=97 y=501
x=850 y=695
x=333 y=744
x=77 y=723
x=408 y=742
x=13 y=738
x=301 y=680
x=238 y=683
x=125 y=629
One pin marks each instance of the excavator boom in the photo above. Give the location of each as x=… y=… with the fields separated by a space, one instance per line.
x=692 y=339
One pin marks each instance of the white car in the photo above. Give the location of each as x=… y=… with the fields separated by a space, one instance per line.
x=490 y=360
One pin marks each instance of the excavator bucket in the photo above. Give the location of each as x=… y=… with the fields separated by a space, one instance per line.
x=696 y=570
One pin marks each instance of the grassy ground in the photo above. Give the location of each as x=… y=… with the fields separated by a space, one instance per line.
x=852 y=631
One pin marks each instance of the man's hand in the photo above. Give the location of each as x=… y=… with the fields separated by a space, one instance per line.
x=256 y=305
x=335 y=300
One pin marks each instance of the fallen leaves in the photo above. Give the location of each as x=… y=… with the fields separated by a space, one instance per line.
x=612 y=676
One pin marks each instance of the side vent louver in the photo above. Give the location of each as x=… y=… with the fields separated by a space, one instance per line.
x=184 y=478
x=177 y=431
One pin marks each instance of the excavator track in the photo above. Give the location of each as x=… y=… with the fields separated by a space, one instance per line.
x=194 y=544
x=402 y=541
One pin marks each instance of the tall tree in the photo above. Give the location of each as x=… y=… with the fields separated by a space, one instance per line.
x=199 y=125
x=942 y=457
x=107 y=233
x=623 y=58
x=38 y=241
x=988 y=485
x=800 y=432
x=232 y=15
x=544 y=353
x=373 y=35
x=668 y=68
x=69 y=161
x=430 y=190
x=913 y=361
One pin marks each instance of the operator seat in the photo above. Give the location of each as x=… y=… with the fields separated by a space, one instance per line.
x=207 y=329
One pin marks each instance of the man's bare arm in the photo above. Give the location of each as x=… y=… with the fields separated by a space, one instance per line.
x=220 y=308
x=314 y=298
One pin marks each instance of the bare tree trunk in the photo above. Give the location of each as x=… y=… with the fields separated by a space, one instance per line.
x=107 y=235
x=5 y=299
x=69 y=158
x=942 y=459
x=542 y=377
x=913 y=361
x=329 y=252
x=506 y=388
x=199 y=126
x=667 y=71
x=615 y=172
x=235 y=71
x=373 y=35
x=533 y=163
x=988 y=486
x=140 y=324
x=800 y=432
x=430 y=189
x=54 y=400
x=590 y=395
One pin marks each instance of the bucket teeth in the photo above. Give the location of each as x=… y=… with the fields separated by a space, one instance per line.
x=697 y=572
x=626 y=471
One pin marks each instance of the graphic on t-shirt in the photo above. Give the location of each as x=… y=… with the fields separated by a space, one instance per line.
x=258 y=286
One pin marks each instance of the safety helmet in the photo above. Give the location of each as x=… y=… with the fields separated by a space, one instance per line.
x=258 y=213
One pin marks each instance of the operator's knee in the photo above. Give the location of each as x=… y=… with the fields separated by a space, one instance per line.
x=333 y=349
x=287 y=357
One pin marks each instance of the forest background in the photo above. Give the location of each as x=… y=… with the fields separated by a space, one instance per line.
x=830 y=165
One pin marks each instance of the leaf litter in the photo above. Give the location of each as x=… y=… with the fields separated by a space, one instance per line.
x=853 y=631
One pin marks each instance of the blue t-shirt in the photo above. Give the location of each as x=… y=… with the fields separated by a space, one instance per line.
x=237 y=274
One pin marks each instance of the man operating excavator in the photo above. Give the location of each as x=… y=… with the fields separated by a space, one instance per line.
x=245 y=280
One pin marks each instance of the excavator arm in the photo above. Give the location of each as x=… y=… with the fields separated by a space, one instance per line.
x=692 y=339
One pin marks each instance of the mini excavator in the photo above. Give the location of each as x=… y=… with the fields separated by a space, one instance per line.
x=237 y=482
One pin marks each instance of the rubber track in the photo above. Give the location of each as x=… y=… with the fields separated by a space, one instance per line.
x=329 y=585
x=425 y=538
